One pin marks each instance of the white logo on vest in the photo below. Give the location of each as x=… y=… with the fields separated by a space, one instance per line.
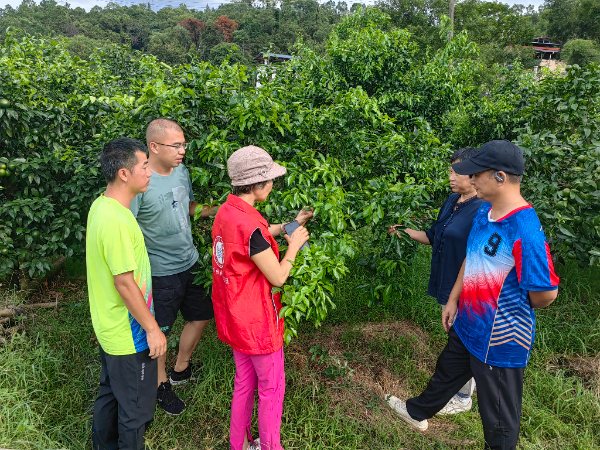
x=219 y=251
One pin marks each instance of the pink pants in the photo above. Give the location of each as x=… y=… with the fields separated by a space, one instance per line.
x=266 y=373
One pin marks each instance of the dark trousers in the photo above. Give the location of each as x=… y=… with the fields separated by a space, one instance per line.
x=127 y=400
x=499 y=393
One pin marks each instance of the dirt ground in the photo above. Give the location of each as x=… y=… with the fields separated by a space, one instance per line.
x=369 y=375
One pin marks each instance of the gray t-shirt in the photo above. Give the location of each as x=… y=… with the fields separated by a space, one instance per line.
x=163 y=213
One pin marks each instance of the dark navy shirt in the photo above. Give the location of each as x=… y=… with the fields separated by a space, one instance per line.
x=448 y=236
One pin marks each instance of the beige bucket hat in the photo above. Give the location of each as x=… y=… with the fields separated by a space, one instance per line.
x=252 y=164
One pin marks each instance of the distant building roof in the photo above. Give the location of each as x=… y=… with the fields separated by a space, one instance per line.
x=546 y=49
x=545 y=40
x=544 y=46
x=272 y=57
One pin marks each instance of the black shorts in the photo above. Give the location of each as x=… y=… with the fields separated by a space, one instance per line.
x=173 y=293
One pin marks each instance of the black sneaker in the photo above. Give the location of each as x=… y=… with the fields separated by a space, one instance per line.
x=189 y=374
x=168 y=400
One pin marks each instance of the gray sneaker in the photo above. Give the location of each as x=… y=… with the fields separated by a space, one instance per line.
x=457 y=405
x=400 y=408
x=255 y=445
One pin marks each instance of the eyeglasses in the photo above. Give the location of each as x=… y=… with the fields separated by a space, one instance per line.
x=183 y=145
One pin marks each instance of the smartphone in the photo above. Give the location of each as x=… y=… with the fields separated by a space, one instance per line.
x=290 y=228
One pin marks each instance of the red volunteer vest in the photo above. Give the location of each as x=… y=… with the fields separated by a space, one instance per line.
x=246 y=311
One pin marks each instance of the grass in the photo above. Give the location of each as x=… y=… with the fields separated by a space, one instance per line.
x=49 y=377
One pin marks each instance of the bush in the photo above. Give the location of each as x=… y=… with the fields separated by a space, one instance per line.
x=83 y=46
x=561 y=138
x=55 y=123
x=580 y=52
x=226 y=51
x=365 y=141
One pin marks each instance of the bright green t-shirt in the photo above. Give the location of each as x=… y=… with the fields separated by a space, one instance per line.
x=115 y=245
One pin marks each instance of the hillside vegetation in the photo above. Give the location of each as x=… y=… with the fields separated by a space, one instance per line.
x=177 y=35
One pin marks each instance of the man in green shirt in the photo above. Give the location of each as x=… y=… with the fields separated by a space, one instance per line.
x=120 y=294
x=163 y=213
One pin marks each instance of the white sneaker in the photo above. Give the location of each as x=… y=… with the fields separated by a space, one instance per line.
x=255 y=445
x=456 y=405
x=400 y=407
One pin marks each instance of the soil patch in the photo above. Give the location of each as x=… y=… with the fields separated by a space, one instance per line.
x=587 y=369
x=359 y=366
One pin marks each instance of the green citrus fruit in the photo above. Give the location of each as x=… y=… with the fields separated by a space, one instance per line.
x=2 y=172
x=578 y=221
x=4 y=103
x=12 y=166
x=2 y=166
x=581 y=158
x=53 y=135
x=566 y=191
x=4 y=251
x=35 y=234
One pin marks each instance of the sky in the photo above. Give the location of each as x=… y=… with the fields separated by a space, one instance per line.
x=201 y=4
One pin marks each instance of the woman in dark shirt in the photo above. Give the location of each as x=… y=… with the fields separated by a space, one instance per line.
x=448 y=237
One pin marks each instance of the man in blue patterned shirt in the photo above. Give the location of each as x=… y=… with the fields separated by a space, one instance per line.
x=489 y=316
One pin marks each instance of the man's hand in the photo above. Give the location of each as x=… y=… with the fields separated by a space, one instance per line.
x=157 y=343
x=304 y=215
x=448 y=315
x=449 y=312
x=138 y=308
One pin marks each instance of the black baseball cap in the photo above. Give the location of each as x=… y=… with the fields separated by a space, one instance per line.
x=495 y=155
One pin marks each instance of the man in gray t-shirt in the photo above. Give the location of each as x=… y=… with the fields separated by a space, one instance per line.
x=163 y=213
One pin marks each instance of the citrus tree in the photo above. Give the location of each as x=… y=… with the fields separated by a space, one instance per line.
x=365 y=141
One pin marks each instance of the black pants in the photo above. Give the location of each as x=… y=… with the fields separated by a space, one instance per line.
x=499 y=393
x=127 y=400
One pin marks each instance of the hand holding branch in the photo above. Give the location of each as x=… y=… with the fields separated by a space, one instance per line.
x=304 y=215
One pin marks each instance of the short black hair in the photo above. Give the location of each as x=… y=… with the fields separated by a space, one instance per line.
x=462 y=154
x=515 y=179
x=118 y=154
x=237 y=190
x=512 y=178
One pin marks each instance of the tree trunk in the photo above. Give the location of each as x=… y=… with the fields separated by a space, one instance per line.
x=29 y=285
x=451 y=20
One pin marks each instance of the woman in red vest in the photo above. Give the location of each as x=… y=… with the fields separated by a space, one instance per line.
x=246 y=268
